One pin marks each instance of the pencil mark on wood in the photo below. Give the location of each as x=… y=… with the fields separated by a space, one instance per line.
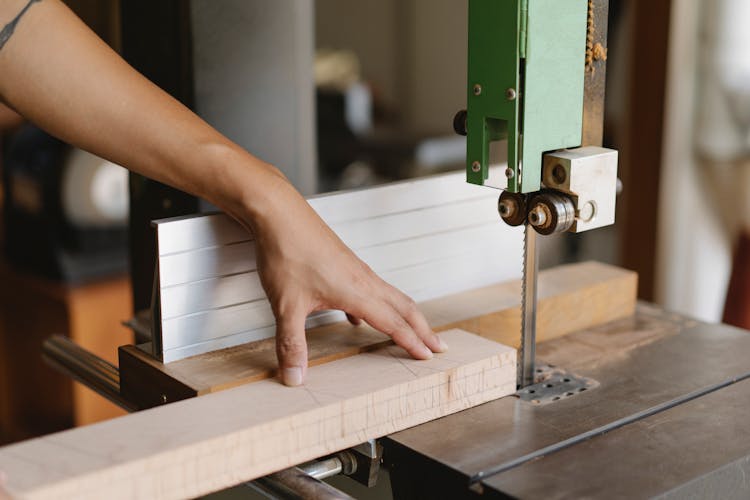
x=243 y=433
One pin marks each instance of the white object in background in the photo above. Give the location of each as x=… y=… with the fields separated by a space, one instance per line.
x=437 y=152
x=723 y=125
x=693 y=253
x=254 y=79
x=359 y=108
x=94 y=191
x=340 y=70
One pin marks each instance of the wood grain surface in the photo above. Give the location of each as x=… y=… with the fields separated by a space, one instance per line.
x=205 y=444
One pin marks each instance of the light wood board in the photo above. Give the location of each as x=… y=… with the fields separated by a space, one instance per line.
x=205 y=444
x=571 y=298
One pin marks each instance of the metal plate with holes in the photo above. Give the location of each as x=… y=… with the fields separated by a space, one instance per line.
x=555 y=384
x=696 y=450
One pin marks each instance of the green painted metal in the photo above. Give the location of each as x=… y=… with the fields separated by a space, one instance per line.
x=493 y=65
x=536 y=47
x=553 y=91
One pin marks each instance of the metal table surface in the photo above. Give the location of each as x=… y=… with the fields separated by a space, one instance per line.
x=692 y=376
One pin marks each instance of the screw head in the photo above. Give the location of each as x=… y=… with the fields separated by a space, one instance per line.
x=509 y=173
x=587 y=212
x=477 y=89
x=507 y=208
x=476 y=167
x=511 y=94
x=538 y=216
x=559 y=174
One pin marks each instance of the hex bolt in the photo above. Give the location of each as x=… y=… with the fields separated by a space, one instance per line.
x=477 y=89
x=476 y=167
x=511 y=94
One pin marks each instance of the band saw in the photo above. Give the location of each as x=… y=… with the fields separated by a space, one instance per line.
x=652 y=404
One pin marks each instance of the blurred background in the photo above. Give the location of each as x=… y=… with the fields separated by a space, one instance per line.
x=341 y=95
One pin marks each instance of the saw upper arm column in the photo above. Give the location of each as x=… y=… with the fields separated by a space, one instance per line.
x=59 y=75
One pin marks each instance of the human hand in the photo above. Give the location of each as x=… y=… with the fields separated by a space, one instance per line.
x=305 y=267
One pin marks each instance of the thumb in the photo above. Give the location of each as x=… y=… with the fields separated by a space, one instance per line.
x=291 y=347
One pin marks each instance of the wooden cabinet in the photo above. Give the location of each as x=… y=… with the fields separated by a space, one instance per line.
x=34 y=398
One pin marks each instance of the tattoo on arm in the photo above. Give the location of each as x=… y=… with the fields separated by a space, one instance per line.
x=9 y=28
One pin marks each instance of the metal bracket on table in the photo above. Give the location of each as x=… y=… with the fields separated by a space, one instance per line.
x=368 y=455
x=361 y=463
x=293 y=484
x=555 y=384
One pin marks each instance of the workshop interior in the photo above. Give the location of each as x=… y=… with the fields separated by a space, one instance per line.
x=615 y=131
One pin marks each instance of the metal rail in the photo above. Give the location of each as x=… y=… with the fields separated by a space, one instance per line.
x=294 y=483
x=87 y=368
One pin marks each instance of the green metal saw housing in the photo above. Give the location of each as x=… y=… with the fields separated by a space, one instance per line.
x=527 y=62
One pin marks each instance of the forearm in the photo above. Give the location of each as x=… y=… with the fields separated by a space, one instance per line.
x=61 y=76
x=9 y=119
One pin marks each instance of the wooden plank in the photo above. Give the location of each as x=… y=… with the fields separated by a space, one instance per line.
x=571 y=298
x=148 y=382
x=201 y=445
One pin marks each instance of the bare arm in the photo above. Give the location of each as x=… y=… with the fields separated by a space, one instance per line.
x=9 y=119
x=59 y=75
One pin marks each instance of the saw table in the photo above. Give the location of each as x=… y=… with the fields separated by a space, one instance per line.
x=664 y=413
x=661 y=411
x=668 y=419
